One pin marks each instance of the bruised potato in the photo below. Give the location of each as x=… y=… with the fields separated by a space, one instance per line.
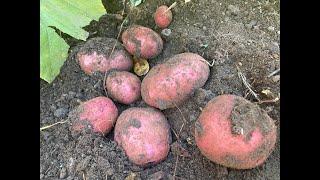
x=142 y=42
x=233 y=132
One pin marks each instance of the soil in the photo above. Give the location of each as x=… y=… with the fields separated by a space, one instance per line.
x=234 y=35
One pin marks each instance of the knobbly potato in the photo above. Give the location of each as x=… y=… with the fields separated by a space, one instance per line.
x=94 y=56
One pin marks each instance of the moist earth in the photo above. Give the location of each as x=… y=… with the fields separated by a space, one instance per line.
x=237 y=37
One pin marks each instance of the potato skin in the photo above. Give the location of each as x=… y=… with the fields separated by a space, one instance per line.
x=144 y=134
x=171 y=83
x=93 y=56
x=162 y=19
x=217 y=137
x=100 y=112
x=123 y=86
x=142 y=42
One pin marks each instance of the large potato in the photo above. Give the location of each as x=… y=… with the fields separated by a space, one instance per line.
x=144 y=134
x=172 y=82
x=235 y=133
x=94 y=56
x=142 y=42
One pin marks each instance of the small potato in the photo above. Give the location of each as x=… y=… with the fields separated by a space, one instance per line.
x=100 y=113
x=144 y=134
x=163 y=17
x=142 y=42
x=123 y=86
x=233 y=132
x=93 y=56
x=171 y=83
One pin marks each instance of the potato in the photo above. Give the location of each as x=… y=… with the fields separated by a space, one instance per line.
x=142 y=42
x=163 y=17
x=93 y=56
x=144 y=134
x=233 y=132
x=100 y=113
x=171 y=83
x=123 y=86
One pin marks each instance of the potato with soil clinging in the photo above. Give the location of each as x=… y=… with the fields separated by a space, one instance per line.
x=235 y=133
x=144 y=134
x=163 y=17
x=142 y=42
x=93 y=56
x=123 y=86
x=171 y=83
x=100 y=113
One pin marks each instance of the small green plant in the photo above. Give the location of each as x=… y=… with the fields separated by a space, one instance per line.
x=69 y=16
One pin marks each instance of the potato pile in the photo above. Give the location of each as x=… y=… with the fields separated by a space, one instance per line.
x=230 y=131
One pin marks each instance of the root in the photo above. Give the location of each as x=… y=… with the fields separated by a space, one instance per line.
x=248 y=86
x=114 y=46
x=175 y=168
x=49 y=126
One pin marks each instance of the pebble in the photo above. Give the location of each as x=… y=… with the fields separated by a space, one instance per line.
x=110 y=171
x=97 y=85
x=251 y=24
x=233 y=9
x=132 y=176
x=47 y=136
x=270 y=28
x=276 y=78
x=157 y=176
x=60 y=113
x=41 y=176
x=274 y=47
x=53 y=107
x=192 y=117
x=166 y=32
x=63 y=173
x=72 y=94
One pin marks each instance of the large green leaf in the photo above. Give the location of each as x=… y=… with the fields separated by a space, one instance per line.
x=53 y=53
x=69 y=16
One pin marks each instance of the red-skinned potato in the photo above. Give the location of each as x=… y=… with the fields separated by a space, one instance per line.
x=123 y=86
x=163 y=17
x=144 y=134
x=93 y=56
x=100 y=113
x=142 y=42
x=171 y=83
x=233 y=132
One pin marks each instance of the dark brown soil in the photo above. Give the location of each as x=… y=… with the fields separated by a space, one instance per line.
x=231 y=33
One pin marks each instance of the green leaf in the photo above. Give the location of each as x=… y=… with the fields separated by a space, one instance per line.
x=53 y=53
x=136 y=2
x=69 y=16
